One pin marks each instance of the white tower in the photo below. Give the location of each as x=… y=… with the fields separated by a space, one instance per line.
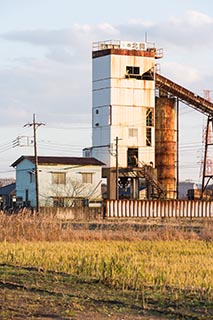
x=123 y=93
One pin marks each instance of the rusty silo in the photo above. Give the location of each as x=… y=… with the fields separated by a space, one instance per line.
x=165 y=143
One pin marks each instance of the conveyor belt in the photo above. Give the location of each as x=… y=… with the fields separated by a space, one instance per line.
x=186 y=96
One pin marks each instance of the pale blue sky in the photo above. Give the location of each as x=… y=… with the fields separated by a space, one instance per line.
x=45 y=67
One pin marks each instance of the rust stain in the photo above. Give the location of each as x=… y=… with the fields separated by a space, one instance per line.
x=165 y=144
x=123 y=52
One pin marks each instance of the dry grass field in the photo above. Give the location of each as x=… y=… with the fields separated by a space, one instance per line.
x=117 y=270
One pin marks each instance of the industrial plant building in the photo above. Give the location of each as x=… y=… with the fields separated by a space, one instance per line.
x=135 y=121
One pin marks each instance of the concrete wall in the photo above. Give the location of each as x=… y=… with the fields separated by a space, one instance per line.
x=120 y=103
x=75 y=214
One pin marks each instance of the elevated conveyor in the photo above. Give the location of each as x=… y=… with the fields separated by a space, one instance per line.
x=186 y=96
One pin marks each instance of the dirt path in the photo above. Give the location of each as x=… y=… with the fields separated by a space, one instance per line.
x=27 y=293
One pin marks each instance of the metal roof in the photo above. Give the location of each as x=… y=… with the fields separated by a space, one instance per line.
x=60 y=160
x=7 y=190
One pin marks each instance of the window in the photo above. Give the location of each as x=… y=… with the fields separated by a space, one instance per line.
x=148 y=137
x=132 y=157
x=86 y=177
x=149 y=117
x=132 y=70
x=58 y=202
x=26 y=195
x=97 y=111
x=133 y=73
x=32 y=177
x=133 y=132
x=58 y=178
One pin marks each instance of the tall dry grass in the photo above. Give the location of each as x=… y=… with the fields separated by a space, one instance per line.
x=27 y=226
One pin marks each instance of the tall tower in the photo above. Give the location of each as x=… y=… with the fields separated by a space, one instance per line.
x=123 y=104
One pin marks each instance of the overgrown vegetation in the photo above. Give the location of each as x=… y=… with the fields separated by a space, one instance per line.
x=26 y=226
x=166 y=266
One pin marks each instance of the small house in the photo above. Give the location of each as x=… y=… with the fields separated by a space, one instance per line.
x=7 y=196
x=61 y=181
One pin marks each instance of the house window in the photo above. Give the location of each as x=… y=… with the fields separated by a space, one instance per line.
x=133 y=132
x=58 y=178
x=87 y=177
x=26 y=195
x=32 y=177
x=58 y=202
x=132 y=157
x=97 y=111
x=148 y=137
x=149 y=117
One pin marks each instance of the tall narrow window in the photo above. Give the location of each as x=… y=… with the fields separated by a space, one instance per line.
x=26 y=195
x=148 y=137
x=132 y=157
x=149 y=117
x=32 y=177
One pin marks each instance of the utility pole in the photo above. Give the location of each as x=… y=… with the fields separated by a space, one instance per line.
x=117 y=169
x=35 y=125
x=177 y=148
x=207 y=170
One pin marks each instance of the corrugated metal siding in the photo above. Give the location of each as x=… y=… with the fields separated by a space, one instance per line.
x=159 y=209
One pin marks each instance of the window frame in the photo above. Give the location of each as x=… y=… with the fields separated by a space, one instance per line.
x=132 y=157
x=57 y=178
x=133 y=70
x=148 y=136
x=150 y=117
x=87 y=177
x=133 y=132
x=58 y=202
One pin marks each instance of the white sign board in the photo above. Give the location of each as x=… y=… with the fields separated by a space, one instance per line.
x=128 y=45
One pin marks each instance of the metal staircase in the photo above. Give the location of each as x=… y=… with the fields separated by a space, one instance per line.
x=188 y=97
x=146 y=172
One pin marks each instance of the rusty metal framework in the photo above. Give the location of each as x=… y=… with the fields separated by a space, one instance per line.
x=188 y=97
x=205 y=106
x=207 y=163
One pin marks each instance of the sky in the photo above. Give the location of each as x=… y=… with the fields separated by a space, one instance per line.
x=45 y=69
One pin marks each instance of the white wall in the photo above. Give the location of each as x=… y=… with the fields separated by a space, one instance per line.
x=47 y=190
x=123 y=102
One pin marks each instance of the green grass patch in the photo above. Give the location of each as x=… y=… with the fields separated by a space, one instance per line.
x=171 y=277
